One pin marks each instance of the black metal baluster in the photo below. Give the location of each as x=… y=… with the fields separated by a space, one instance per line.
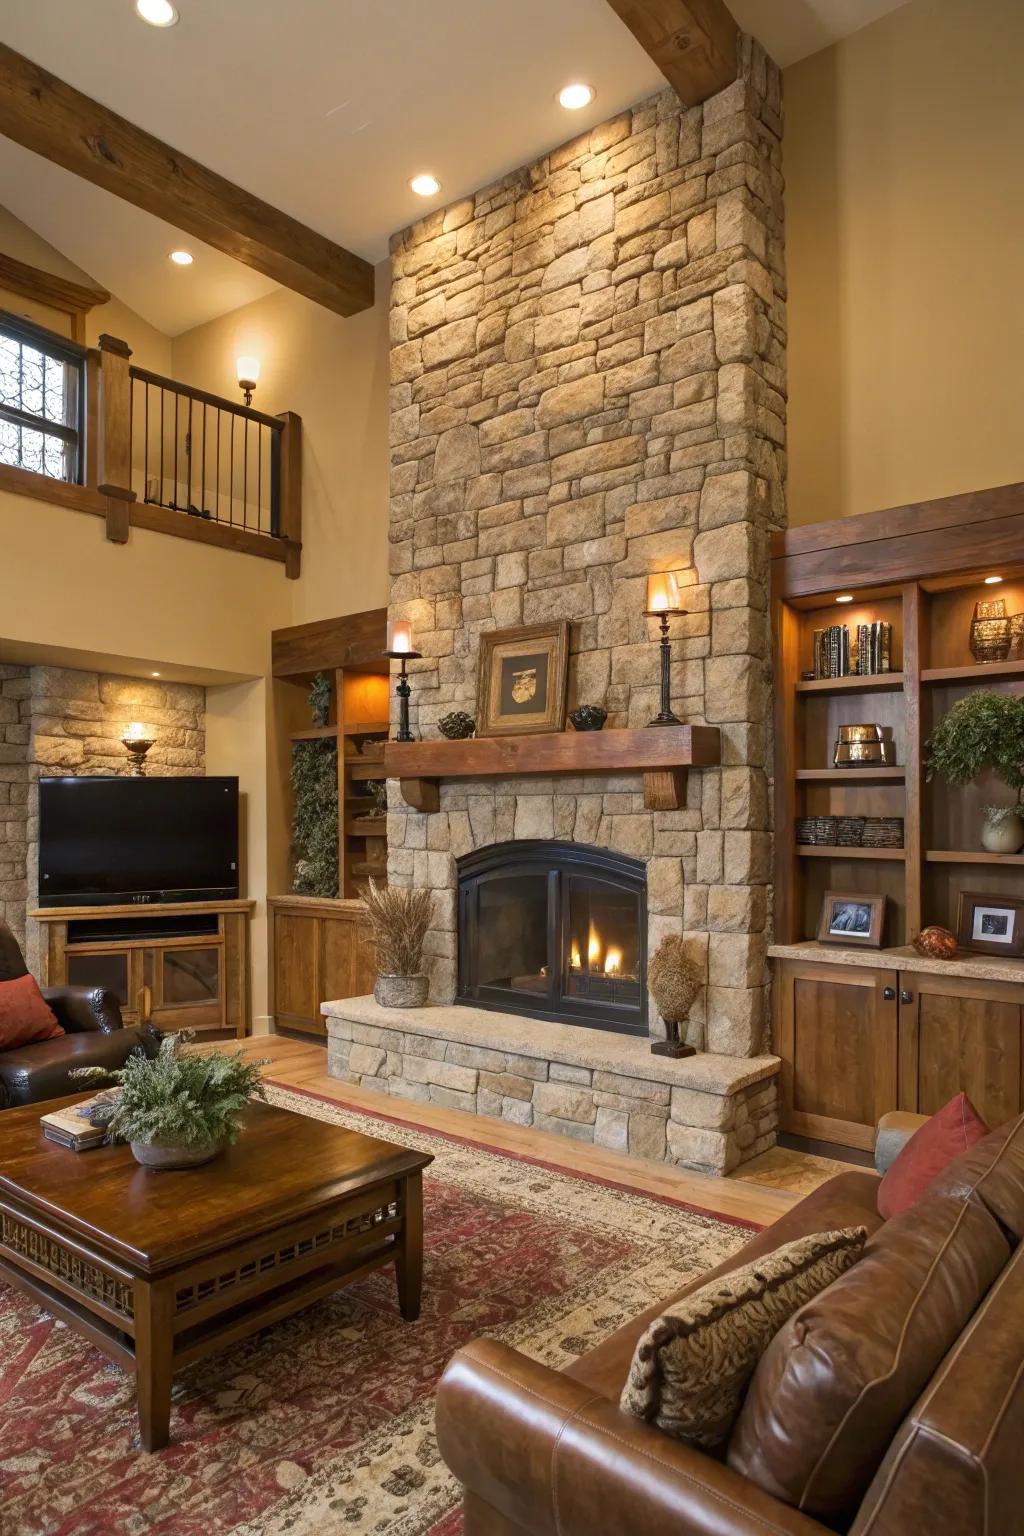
x=217 y=498
x=245 y=475
x=174 y=503
x=145 y=454
x=188 y=459
x=259 y=478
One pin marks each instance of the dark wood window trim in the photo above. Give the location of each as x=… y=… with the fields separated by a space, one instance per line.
x=71 y=356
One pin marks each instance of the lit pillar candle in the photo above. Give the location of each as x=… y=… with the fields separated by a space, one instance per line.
x=662 y=592
x=400 y=637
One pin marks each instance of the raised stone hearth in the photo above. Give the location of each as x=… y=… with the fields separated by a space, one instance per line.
x=706 y=1112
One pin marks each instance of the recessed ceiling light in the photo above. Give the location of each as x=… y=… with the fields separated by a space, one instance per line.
x=575 y=96
x=159 y=13
x=992 y=581
x=182 y=258
x=845 y=597
x=154 y=674
x=425 y=185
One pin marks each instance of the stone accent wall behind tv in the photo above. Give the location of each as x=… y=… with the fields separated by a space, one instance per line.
x=588 y=384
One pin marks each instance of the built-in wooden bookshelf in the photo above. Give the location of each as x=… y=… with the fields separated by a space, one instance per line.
x=942 y=826
x=864 y=1031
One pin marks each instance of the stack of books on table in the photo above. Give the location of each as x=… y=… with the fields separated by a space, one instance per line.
x=71 y=1129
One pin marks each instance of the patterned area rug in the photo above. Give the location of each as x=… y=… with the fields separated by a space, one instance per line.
x=324 y=1423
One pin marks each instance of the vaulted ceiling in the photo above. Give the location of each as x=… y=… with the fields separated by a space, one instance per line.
x=325 y=108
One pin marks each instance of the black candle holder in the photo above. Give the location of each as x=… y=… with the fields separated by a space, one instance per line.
x=403 y=691
x=664 y=715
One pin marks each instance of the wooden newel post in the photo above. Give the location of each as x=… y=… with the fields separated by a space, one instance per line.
x=289 y=492
x=114 y=473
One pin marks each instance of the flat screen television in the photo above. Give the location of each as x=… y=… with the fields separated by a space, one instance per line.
x=108 y=841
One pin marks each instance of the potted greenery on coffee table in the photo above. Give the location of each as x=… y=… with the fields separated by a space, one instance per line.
x=179 y=1108
x=984 y=730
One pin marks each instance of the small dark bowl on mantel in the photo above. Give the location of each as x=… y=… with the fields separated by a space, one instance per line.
x=588 y=717
x=457 y=726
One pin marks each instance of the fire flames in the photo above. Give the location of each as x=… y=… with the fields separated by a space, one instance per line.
x=600 y=957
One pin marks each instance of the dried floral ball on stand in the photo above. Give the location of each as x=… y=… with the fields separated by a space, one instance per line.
x=674 y=983
x=936 y=943
x=457 y=726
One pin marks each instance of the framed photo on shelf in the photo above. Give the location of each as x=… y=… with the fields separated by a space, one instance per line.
x=849 y=918
x=991 y=925
x=521 y=685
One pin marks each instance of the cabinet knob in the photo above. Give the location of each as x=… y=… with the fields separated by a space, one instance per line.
x=889 y=994
x=906 y=997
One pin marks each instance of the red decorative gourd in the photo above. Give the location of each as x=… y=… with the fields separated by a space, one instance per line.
x=936 y=943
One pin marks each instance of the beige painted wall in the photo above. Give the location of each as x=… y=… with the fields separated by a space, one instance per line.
x=334 y=374
x=905 y=227
x=150 y=348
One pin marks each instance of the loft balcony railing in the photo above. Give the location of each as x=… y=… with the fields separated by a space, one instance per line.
x=195 y=453
x=85 y=428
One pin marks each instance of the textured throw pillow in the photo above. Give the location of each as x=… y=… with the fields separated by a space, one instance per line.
x=25 y=1015
x=692 y=1366
x=955 y=1127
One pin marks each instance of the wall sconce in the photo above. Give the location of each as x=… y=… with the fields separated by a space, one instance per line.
x=247 y=370
x=137 y=742
x=662 y=603
x=399 y=648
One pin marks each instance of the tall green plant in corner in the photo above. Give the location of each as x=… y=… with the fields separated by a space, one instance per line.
x=984 y=731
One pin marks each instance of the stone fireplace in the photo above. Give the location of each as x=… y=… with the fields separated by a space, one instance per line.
x=554 y=930
x=588 y=386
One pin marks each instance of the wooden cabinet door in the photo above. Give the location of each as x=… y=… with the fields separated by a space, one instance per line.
x=295 y=968
x=347 y=968
x=958 y=1034
x=836 y=1034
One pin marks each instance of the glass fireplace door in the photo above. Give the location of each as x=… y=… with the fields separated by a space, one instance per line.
x=601 y=925
x=512 y=939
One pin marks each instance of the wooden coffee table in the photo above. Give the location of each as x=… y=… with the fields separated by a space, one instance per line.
x=159 y=1269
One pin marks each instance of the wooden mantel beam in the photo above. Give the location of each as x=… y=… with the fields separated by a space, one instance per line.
x=51 y=118
x=693 y=42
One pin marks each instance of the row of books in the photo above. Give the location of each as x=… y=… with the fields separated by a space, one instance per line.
x=871 y=651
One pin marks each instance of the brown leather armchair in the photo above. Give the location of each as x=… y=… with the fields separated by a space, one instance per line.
x=94 y=1036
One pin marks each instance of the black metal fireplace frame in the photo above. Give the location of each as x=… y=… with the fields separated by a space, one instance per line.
x=556 y=858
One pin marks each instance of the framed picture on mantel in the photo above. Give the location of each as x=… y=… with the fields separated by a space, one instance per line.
x=522 y=680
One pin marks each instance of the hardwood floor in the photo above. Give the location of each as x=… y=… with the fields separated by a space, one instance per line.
x=759 y=1195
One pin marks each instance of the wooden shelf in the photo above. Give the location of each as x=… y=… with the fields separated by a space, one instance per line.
x=830 y=851
x=878 y=775
x=977 y=672
x=871 y=682
x=970 y=856
x=370 y=826
x=362 y=768
x=366 y=728
x=315 y=733
x=661 y=753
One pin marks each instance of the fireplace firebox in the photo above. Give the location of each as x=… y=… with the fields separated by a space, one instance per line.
x=555 y=930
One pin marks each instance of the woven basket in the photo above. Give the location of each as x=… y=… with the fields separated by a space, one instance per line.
x=401 y=991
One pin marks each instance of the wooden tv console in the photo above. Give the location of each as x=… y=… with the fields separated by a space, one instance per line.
x=179 y=965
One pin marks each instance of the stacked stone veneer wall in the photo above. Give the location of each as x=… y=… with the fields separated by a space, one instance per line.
x=588 y=384
x=14 y=733
x=70 y=722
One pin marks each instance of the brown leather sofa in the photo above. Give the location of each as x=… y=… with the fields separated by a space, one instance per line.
x=546 y=1453
x=94 y=1036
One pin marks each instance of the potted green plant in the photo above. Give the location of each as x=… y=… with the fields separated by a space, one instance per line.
x=177 y=1109
x=984 y=730
x=399 y=918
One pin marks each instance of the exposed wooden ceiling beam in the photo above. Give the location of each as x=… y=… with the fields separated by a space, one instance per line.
x=693 y=42
x=54 y=120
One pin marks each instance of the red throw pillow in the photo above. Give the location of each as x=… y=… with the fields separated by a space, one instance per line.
x=954 y=1128
x=25 y=1015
